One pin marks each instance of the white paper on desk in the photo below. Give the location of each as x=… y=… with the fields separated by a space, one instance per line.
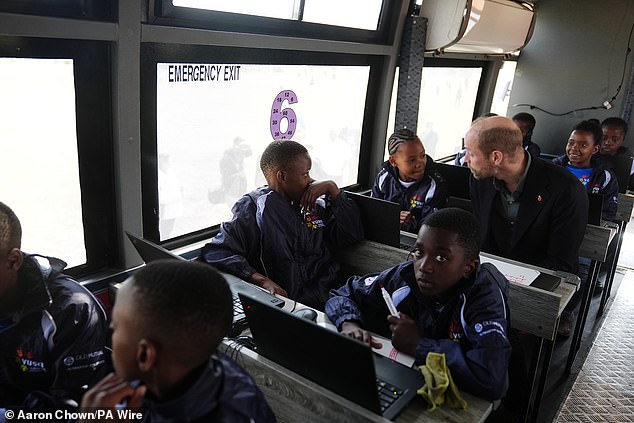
x=389 y=351
x=513 y=272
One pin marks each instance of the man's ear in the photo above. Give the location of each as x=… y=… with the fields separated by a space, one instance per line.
x=496 y=157
x=146 y=355
x=15 y=258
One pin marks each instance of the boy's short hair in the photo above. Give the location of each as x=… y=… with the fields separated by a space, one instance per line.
x=592 y=127
x=10 y=228
x=185 y=304
x=279 y=153
x=526 y=117
x=399 y=137
x=462 y=223
x=615 y=122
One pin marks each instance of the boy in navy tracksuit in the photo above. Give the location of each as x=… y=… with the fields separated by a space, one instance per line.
x=447 y=303
x=167 y=322
x=280 y=235
x=410 y=179
x=582 y=160
x=53 y=331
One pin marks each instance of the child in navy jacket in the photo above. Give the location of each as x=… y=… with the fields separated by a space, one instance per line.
x=410 y=179
x=447 y=303
x=583 y=161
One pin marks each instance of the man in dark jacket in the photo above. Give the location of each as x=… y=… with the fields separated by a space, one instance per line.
x=53 y=332
x=447 y=303
x=529 y=210
x=280 y=235
x=167 y=322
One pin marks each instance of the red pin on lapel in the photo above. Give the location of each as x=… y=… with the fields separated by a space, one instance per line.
x=539 y=198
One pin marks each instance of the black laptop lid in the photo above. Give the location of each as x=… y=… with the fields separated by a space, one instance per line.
x=337 y=363
x=456 y=178
x=380 y=218
x=595 y=208
x=149 y=251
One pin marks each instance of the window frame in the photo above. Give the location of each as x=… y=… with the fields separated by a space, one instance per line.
x=78 y=9
x=93 y=113
x=163 y=12
x=152 y=53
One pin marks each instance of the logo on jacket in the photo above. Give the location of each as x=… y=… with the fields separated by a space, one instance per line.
x=313 y=221
x=416 y=201
x=596 y=188
x=455 y=331
x=26 y=364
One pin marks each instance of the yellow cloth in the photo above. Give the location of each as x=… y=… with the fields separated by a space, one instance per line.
x=439 y=387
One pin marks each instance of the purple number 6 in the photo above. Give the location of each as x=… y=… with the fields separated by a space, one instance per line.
x=278 y=113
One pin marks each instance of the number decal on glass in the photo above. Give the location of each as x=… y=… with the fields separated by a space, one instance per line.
x=278 y=114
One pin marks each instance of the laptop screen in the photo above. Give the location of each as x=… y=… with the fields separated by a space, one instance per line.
x=380 y=218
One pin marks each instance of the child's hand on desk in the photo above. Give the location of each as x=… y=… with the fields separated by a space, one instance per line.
x=405 y=334
x=273 y=288
x=355 y=331
x=112 y=390
x=266 y=283
x=405 y=217
x=316 y=190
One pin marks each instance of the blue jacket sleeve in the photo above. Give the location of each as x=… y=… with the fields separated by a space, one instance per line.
x=344 y=225
x=237 y=245
x=360 y=295
x=377 y=190
x=482 y=368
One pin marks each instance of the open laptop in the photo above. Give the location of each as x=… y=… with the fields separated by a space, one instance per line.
x=336 y=362
x=457 y=179
x=380 y=218
x=150 y=251
x=595 y=209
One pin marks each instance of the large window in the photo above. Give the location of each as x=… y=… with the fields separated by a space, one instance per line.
x=38 y=164
x=503 y=87
x=363 y=14
x=213 y=120
x=447 y=103
x=56 y=164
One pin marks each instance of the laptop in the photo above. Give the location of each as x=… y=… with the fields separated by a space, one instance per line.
x=457 y=179
x=380 y=218
x=338 y=363
x=150 y=251
x=595 y=209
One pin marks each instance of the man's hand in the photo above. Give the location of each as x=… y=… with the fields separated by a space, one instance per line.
x=355 y=331
x=405 y=333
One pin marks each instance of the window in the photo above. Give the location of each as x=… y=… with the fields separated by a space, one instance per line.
x=55 y=134
x=213 y=120
x=362 y=14
x=39 y=143
x=503 y=88
x=447 y=103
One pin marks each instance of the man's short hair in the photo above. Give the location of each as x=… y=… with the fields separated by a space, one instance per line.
x=10 y=228
x=527 y=118
x=592 y=127
x=399 y=137
x=461 y=222
x=187 y=305
x=279 y=153
x=615 y=122
x=505 y=139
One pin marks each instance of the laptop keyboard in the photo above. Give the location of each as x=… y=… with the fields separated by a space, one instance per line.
x=387 y=394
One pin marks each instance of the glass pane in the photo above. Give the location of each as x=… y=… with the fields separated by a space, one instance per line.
x=363 y=14
x=214 y=121
x=283 y=9
x=503 y=88
x=447 y=102
x=39 y=163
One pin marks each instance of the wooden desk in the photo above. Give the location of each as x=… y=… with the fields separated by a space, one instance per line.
x=296 y=399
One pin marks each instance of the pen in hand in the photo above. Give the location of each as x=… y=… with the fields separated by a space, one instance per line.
x=388 y=301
